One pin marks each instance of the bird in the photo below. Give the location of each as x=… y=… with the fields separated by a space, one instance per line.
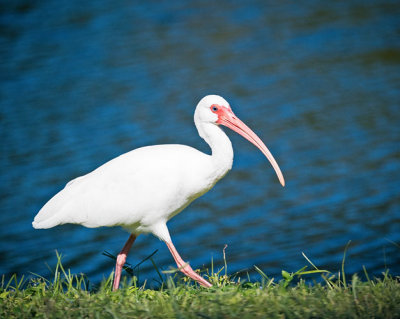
x=143 y=189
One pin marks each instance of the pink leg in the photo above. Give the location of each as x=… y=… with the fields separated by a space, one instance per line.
x=121 y=259
x=185 y=268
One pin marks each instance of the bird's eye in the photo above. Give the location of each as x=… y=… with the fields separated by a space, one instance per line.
x=214 y=108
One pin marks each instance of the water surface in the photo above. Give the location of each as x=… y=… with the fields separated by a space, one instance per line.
x=82 y=83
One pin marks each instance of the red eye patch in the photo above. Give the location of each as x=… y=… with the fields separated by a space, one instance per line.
x=217 y=109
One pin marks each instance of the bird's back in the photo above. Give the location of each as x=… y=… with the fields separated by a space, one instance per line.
x=138 y=188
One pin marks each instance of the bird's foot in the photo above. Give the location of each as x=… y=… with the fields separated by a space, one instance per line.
x=188 y=271
x=185 y=268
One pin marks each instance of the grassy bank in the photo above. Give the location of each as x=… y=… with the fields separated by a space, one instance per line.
x=68 y=296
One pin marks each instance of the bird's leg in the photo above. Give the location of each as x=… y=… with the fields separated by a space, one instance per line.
x=121 y=259
x=185 y=268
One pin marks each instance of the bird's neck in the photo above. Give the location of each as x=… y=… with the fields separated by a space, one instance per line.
x=221 y=147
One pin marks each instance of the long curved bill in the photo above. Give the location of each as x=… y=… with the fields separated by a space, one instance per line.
x=227 y=118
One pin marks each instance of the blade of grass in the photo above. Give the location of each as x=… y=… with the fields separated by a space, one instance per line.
x=158 y=271
x=343 y=261
x=226 y=266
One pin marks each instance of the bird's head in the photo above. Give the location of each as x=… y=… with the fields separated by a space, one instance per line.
x=216 y=110
x=210 y=107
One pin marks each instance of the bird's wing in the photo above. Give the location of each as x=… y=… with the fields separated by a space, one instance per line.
x=137 y=187
x=85 y=199
x=49 y=215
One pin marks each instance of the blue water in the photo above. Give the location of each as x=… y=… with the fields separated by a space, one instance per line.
x=84 y=82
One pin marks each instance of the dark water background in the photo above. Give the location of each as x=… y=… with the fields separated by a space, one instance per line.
x=319 y=82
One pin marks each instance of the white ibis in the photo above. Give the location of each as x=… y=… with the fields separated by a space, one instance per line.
x=144 y=188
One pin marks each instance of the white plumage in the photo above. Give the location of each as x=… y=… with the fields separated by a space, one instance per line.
x=144 y=188
x=136 y=190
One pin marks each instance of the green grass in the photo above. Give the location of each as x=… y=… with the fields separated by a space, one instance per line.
x=331 y=296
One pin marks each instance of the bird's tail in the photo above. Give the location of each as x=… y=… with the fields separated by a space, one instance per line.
x=48 y=223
